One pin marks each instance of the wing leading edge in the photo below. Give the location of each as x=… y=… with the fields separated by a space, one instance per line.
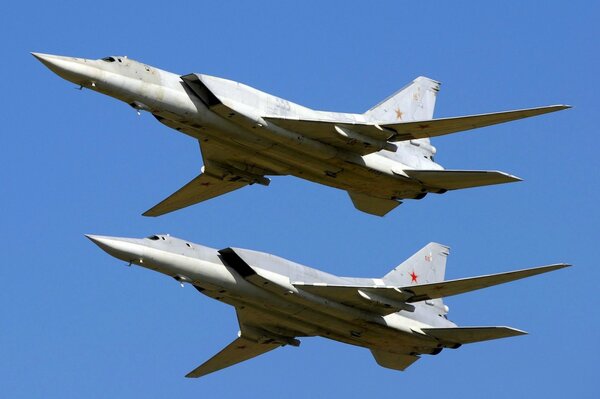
x=201 y=188
x=389 y=299
x=238 y=351
x=410 y=130
x=443 y=126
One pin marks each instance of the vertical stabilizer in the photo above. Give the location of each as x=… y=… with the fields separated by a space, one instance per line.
x=414 y=102
x=426 y=266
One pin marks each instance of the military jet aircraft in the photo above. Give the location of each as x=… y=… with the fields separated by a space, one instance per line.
x=398 y=317
x=379 y=157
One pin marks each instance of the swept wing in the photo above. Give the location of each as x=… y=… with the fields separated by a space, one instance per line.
x=201 y=188
x=411 y=130
x=218 y=178
x=390 y=299
x=238 y=351
x=256 y=337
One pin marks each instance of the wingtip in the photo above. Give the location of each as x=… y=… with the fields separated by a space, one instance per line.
x=563 y=265
x=556 y=107
x=517 y=331
x=194 y=374
x=511 y=331
x=556 y=266
x=153 y=212
x=511 y=178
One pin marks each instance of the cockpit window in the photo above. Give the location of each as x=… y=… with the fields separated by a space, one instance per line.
x=154 y=238
x=109 y=59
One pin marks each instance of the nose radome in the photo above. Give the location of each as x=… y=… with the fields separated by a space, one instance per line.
x=69 y=68
x=98 y=240
x=107 y=244
x=51 y=60
x=126 y=249
x=44 y=57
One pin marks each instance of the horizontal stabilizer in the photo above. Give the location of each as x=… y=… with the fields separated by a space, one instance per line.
x=372 y=205
x=468 y=335
x=236 y=352
x=201 y=188
x=393 y=360
x=457 y=179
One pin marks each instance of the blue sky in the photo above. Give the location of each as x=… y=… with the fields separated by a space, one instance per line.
x=77 y=323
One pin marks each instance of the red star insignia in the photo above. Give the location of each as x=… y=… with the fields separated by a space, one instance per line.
x=423 y=126
x=413 y=277
x=205 y=184
x=399 y=114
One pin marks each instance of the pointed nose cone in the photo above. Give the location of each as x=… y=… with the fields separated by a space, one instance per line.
x=127 y=249
x=45 y=59
x=75 y=70
x=101 y=241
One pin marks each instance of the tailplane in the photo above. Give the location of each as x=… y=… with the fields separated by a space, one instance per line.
x=468 y=335
x=440 y=181
x=414 y=102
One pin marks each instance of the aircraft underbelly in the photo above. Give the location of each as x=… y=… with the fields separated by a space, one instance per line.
x=333 y=172
x=307 y=320
x=242 y=147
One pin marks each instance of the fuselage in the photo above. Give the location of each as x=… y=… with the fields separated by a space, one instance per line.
x=267 y=150
x=290 y=311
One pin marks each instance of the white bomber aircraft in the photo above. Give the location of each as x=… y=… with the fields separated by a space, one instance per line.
x=398 y=317
x=379 y=157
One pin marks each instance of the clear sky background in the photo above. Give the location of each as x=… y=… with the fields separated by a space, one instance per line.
x=75 y=322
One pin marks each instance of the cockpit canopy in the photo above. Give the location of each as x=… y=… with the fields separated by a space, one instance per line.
x=156 y=237
x=168 y=238
x=114 y=58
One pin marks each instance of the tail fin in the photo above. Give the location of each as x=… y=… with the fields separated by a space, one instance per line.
x=427 y=266
x=414 y=102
